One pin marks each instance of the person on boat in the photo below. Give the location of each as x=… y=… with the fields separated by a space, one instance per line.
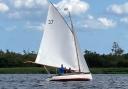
x=61 y=70
x=69 y=70
x=65 y=70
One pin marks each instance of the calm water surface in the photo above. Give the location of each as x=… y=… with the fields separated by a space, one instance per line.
x=37 y=81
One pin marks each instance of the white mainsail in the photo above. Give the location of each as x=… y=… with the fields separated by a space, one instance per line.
x=58 y=46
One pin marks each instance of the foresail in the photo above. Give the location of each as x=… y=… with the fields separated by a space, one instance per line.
x=57 y=45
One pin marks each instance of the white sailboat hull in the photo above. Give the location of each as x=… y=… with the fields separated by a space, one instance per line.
x=72 y=77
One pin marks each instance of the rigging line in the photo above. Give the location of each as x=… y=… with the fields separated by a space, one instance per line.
x=74 y=36
x=71 y=29
x=61 y=15
x=46 y=70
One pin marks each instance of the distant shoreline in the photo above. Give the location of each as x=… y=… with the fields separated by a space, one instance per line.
x=41 y=70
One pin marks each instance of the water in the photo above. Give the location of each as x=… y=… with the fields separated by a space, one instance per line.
x=37 y=81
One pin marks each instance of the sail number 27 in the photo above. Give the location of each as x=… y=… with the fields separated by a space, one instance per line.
x=50 y=21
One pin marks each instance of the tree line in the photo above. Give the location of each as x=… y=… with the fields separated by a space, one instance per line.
x=13 y=59
x=116 y=58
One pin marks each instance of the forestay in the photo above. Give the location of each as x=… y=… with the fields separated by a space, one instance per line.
x=57 y=45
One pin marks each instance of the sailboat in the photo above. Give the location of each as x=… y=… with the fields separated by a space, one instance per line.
x=59 y=46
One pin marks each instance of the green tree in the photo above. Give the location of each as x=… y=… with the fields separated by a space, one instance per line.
x=116 y=50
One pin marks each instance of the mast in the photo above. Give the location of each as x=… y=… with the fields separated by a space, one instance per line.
x=74 y=40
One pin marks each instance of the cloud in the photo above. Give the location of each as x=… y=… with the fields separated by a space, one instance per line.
x=106 y=22
x=14 y=15
x=74 y=6
x=29 y=3
x=119 y=9
x=98 y=23
x=90 y=17
x=10 y=29
x=38 y=27
x=3 y=7
x=125 y=20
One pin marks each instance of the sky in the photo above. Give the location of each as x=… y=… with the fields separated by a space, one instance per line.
x=98 y=23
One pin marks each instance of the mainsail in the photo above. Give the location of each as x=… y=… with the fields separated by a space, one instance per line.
x=58 y=46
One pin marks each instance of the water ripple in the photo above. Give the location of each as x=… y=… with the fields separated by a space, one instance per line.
x=37 y=81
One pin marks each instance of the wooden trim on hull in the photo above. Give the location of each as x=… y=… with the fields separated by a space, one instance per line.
x=77 y=79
